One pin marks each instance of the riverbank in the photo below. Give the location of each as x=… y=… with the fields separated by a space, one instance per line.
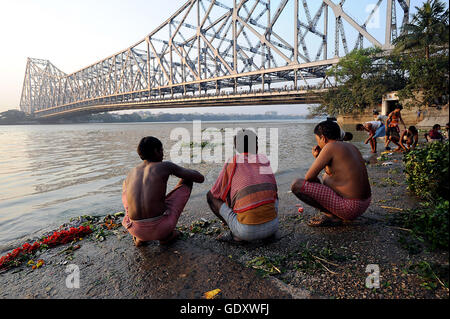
x=302 y=262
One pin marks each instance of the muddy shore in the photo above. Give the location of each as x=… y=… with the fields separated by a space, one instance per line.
x=302 y=262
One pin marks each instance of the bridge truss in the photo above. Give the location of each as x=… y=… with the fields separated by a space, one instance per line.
x=227 y=52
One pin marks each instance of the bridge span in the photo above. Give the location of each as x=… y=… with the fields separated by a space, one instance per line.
x=220 y=53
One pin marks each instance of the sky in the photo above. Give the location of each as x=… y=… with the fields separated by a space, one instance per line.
x=75 y=34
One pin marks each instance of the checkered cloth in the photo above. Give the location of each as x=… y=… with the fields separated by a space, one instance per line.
x=347 y=209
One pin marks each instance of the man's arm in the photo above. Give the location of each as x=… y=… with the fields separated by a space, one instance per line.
x=319 y=164
x=185 y=173
x=371 y=133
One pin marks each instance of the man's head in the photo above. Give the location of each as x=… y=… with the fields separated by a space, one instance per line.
x=376 y=113
x=150 y=149
x=246 y=141
x=436 y=127
x=413 y=130
x=398 y=107
x=348 y=137
x=327 y=131
x=359 y=127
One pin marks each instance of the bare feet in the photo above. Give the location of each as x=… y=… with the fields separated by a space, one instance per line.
x=323 y=220
x=171 y=238
x=138 y=242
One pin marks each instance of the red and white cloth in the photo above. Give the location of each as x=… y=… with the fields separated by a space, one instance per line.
x=344 y=208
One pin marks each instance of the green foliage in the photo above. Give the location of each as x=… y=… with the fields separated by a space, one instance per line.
x=431 y=274
x=428 y=27
x=424 y=48
x=427 y=171
x=427 y=80
x=428 y=222
x=362 y=77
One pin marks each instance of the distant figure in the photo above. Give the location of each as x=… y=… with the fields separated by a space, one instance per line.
x=150 y=214
x=410 y=137
x=380 y=117
x=244 y=196
x=434 y=134
x=446 y=130
x=375 y=129
x=392 y=129
x=345 y=193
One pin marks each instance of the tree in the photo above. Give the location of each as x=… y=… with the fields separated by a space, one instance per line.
x=429 y=28
x=423 y=49
x=361 y=77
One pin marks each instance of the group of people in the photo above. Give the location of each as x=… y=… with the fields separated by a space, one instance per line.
x=245 y=195
x=388 y=127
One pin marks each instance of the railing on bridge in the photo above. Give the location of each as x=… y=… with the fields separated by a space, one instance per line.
x=208 y=51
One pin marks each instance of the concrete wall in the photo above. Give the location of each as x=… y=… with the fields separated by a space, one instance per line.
x=427 y=118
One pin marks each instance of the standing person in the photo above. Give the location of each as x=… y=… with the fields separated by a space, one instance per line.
x=244 y=196
x=150 y=213
x=345 y=193
x=392 y=130
x=375 y=130
x=382 y=118
x=410 y=137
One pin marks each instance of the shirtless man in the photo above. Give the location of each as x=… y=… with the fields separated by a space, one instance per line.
x=375 y=130
x=150 y=214
x=410 y=137
x=345 y=193
x=392 y=130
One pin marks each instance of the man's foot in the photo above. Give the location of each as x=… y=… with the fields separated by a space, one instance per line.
x=228 y=237
x=323 y=220
x=138 y=242
x=171 y=238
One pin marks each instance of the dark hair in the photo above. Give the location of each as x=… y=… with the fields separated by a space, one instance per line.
x=246 y=141
x=413 y=130
x=147 y=146
x=348 y=136
x=376 y=113
x=436 y=126
x=399 y=106
x=359 y=127
x=329 y=129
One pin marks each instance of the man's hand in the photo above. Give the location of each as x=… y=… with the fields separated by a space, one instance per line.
x=316 y=151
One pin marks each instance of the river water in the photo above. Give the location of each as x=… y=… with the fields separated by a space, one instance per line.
x=50 y=173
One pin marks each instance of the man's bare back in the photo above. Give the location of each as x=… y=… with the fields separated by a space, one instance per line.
x=345 y=170
x=146 y=187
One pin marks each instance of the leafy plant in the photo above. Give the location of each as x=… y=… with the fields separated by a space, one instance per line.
x=426 y=171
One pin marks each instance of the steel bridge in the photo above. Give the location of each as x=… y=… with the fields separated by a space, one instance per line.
x=220 y=53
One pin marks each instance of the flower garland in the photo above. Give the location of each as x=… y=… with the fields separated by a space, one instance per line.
x=57 y=238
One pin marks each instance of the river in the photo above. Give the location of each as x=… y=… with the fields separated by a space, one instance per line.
x=50 y=173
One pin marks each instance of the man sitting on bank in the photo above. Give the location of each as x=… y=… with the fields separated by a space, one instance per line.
x=150 y=213
x=244 y=196
x=345 y=193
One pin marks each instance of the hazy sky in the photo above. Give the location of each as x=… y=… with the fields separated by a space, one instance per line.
x=75 y=34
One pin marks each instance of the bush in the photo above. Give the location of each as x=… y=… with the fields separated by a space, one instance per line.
x=428 y=222
x=427 y=171
x=427 y=177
